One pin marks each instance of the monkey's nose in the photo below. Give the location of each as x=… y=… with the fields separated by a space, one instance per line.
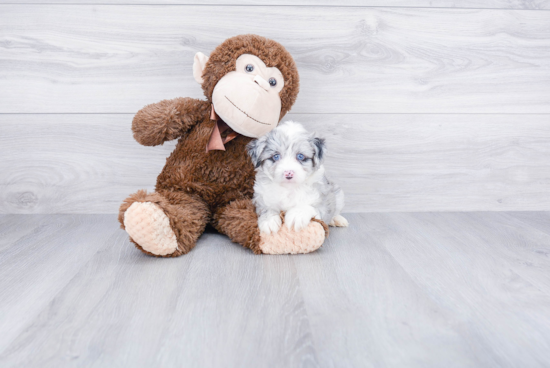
x=261 y=82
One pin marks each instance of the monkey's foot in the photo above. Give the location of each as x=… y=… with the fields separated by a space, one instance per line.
x=148 y=226
x=287 y=241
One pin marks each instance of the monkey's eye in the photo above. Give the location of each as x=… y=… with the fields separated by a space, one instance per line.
x=276 y=157
x=300 y=157
x=249 y=68
x=272 y=82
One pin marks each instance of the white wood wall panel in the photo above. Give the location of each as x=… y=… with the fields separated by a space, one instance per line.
x=112 y=59
x=385 y=162
x=473 y=4
x=426 y=106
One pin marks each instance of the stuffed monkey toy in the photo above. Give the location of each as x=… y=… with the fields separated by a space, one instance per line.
x=250 y=83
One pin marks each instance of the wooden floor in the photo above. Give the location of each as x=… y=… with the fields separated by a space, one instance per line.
x=394 y=289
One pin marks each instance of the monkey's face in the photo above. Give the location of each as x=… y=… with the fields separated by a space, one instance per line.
x=247 y=99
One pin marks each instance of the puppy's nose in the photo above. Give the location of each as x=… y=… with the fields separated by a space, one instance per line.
x=289 y=174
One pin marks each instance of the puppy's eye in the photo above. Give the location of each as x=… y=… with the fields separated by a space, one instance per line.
x=249 y=68
x=272 y=82
x=276 y=157
x=300 y=157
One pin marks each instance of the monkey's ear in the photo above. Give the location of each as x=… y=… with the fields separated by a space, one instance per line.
x=198 y=66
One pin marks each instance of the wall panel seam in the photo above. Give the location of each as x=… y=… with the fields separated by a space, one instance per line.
x=280 y=6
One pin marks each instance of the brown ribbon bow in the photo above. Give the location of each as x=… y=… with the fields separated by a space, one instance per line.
x=216 y=142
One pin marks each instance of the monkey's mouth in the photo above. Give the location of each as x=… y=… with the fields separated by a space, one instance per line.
x=238 y=108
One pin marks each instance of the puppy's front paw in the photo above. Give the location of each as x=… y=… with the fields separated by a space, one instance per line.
x=298 y=218
x=269 y=224
x=339 y=221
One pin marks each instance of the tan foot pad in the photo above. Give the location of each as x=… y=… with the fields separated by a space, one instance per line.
x=148 y=225
x=291 y=242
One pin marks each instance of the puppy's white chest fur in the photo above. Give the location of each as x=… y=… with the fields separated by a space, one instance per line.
x=285 y=197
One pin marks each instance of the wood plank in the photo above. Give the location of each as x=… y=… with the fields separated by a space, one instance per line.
x=111 y=59
x=15 y=227
x=521 y=247
x=471 y=4
x=90 y=163
x=37 y=266
x=395 y=289
x=538 y=220
x=520 y=244
x=124 y=308
x=365 y=310
x=505 y=318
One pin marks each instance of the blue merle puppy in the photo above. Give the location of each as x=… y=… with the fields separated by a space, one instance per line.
x=290 y=178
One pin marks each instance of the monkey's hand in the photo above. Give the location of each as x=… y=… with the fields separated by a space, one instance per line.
x=167 y=120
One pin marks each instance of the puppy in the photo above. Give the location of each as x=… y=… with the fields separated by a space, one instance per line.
x=290 y=178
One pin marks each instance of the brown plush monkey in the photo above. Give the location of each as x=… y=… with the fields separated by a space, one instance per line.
x=250 y=83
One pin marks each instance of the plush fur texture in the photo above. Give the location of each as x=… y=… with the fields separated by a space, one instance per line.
x=222 y=61
x=196 y=187
x=290 y=177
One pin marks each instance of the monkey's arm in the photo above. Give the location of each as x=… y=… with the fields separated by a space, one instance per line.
x=167 y=120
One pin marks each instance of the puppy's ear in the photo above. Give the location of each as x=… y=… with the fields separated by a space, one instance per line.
x=319 y=149
x=255 y=149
